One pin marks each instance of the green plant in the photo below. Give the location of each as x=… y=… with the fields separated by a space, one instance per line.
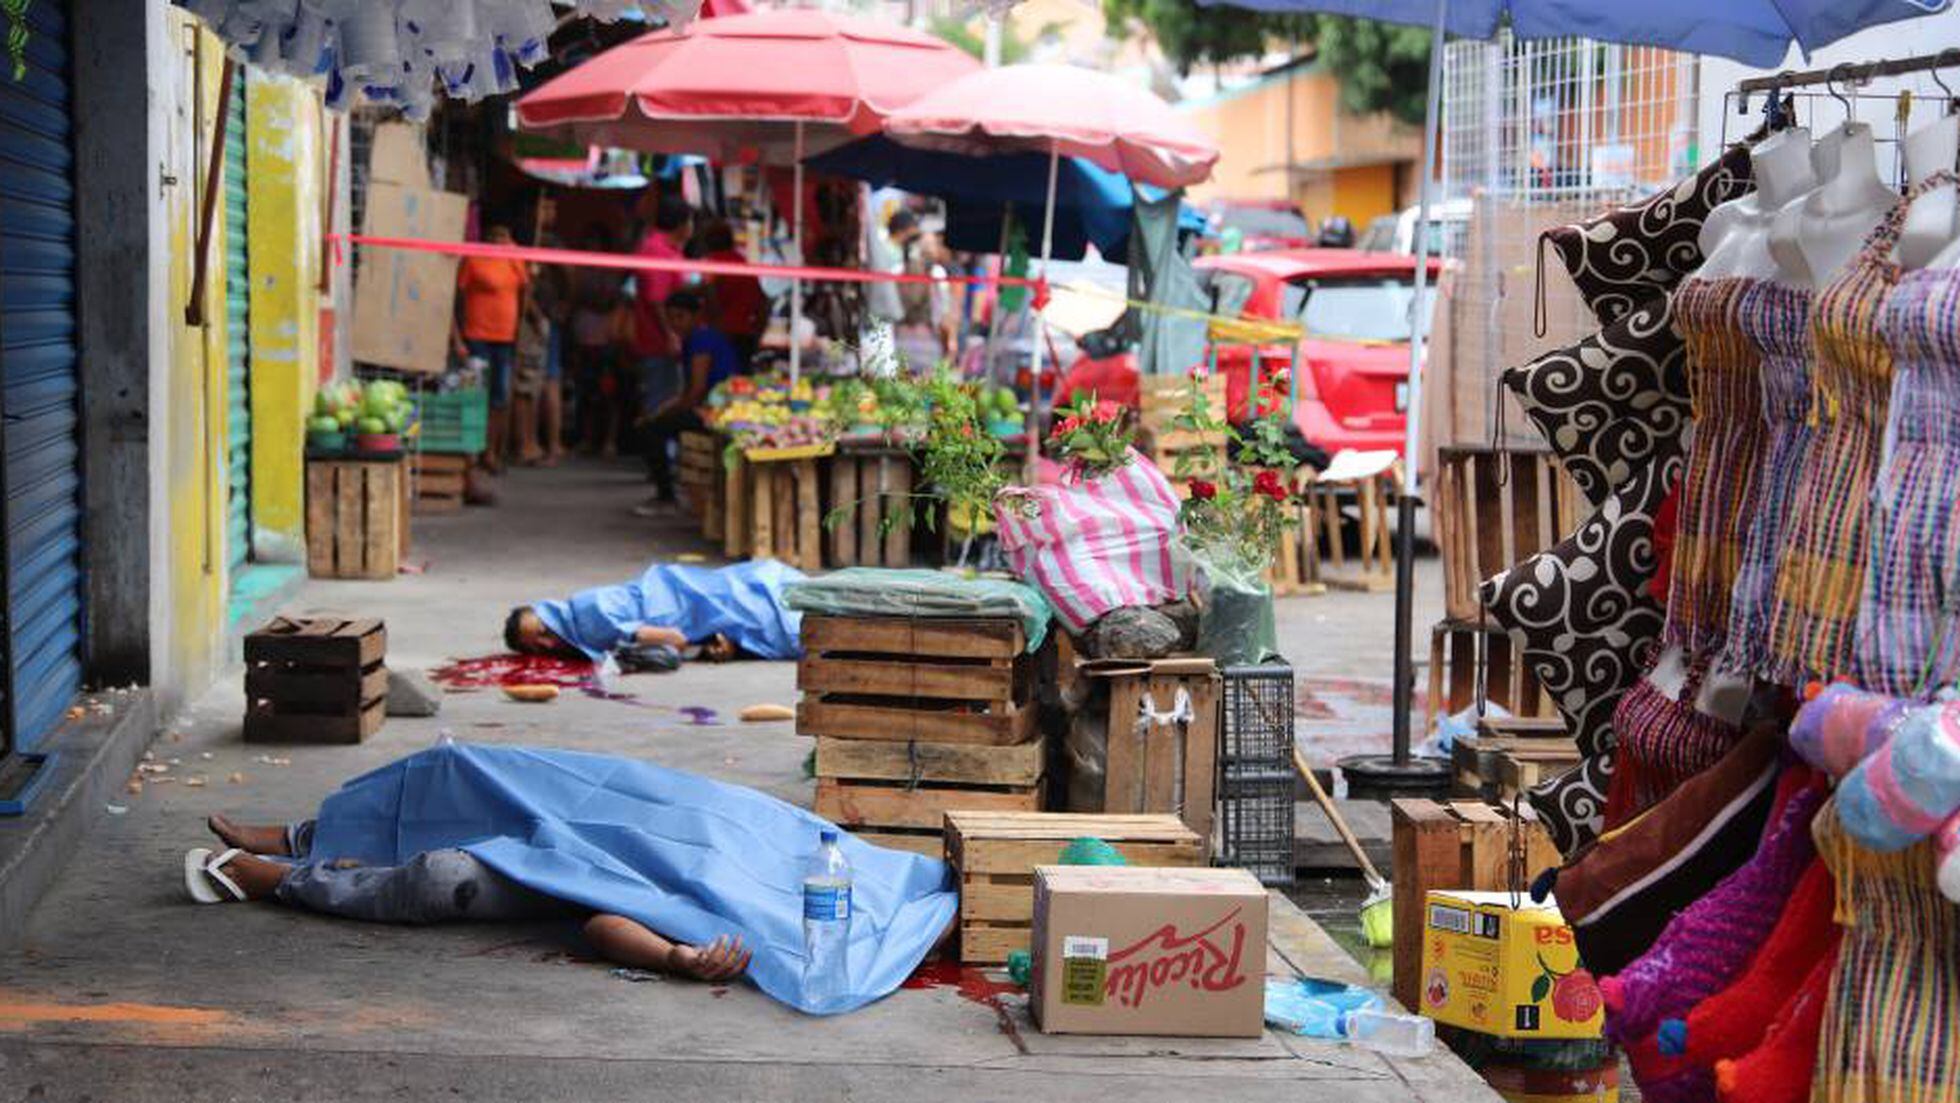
x=1241 y=498
x=1093 y=436
x=944 y=421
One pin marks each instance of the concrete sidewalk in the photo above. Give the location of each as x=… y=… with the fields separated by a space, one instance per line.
x=121 y=989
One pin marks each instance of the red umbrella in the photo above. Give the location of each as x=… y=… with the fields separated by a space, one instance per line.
x=767 y=82
x=1064 y=110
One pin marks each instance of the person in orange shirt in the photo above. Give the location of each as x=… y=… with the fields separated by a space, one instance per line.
x=492 y=295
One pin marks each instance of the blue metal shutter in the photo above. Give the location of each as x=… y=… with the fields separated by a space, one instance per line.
x=40 y=384
x=238 y=351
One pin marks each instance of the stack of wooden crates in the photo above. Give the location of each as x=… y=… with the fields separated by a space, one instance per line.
x=917 y=717
x=1495 y=507
x=315 y=680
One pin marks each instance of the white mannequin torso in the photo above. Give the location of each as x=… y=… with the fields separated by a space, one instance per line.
x=1735 y=236
x=1934 y=220
x=1814 y=239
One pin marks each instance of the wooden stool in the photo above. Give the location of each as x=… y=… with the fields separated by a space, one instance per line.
x=1373 y=567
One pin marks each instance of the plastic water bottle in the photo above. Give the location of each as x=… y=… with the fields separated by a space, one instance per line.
x=1391 y=1033
x=826 y=922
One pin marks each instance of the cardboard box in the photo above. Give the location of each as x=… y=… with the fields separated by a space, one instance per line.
x=1134 y=950
x=1512 y=972
x=404 y=301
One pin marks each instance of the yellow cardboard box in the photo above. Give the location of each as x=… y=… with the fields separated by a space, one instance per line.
x=1512 y=972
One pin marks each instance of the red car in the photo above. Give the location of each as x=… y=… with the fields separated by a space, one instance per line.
x=1355 y=308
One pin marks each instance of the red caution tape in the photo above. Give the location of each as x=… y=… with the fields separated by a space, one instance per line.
x=580 y=258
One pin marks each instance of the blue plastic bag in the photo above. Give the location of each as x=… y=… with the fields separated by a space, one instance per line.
x=1315 y=1008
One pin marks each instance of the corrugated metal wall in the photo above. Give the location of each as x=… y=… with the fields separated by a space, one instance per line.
x=238 y=349
x=40 y=383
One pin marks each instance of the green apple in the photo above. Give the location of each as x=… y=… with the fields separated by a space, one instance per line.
x=371 y=426
x=322 y=424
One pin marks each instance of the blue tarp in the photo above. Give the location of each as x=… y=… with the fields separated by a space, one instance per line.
x=688 y=857
x=743 y=601
x=1092 y=205
x=1754 y=32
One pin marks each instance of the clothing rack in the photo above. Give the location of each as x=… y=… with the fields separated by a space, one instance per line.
x=1843 y=85
x=1850 y=73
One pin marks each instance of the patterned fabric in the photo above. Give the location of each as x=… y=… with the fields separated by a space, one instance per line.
x=1892 y=1027
x=1580 y=613
x=1612 y=402
x=1775 y=318
x=1661 y=741
x=1908 y=626
x=1723 y=463
x=1822 y=573
x=1621 y=258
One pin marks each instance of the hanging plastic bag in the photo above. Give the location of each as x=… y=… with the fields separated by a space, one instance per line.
x=1236 y=624
x=1097 y=544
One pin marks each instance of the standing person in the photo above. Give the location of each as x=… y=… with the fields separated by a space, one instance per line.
x=655 y=344
x=707 y=357
x=741 y=309
x=595 y=348
x=554 y=306
x=494 y=293
x=921 y=336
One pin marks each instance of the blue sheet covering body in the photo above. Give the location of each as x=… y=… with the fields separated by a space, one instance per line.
x=689 y=857
x=743 y=601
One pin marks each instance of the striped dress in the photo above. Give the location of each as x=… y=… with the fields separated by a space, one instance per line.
x=1724 y=462
x=1892 y=1019
x=1776 y=319
x=1822 y=573
x=1908 y=626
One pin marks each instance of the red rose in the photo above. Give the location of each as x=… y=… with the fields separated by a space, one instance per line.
x=1575 y=997
x=1202 y=490
x=1268 y=483
x=1067 y=425
x=1105 y=410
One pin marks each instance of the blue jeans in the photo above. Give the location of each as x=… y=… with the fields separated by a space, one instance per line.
x=502 y=358
x=436 y=886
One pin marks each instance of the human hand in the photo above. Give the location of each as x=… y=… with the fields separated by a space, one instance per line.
x=723 y=959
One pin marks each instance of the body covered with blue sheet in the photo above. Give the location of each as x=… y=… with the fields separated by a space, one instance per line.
x=686 y=856
x=742 y=601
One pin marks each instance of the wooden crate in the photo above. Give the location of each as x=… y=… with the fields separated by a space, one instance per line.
x=905 y=678
x=773 y=509
x=1459 y=845
x=1525 y=767
x=1163 y=766
x=356 y=514
x=876 y=484
x=315 y=680
x=1508 y=679
x=440 y=481
x=1162 y=398
x=994 y=854
x=700 y=470
x=1493 y=509
x=1474 y=758
x=902 y=792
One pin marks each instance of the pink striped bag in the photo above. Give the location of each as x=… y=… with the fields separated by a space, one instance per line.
x=1092 y=545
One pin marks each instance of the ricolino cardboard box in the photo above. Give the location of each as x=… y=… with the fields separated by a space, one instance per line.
x=1509 y=971
x=1132 y=950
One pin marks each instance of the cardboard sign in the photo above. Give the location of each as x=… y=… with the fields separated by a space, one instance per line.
x=1134 y=950
x=1509 y=971
x=403 y=301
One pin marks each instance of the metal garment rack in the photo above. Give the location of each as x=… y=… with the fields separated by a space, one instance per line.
x=1843 y=86
x=1850 y=73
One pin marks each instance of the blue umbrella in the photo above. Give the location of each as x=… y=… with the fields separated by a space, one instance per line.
x=1754 y=32
x=1092 y=204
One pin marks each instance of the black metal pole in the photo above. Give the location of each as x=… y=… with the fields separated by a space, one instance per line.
x=1405 y=586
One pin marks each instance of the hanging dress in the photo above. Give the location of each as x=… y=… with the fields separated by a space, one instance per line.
x=1724 y=462
x=1775 y=318
x=1822 y=573
x=1908 y=626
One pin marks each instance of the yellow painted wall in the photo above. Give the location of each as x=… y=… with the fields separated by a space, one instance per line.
x=1364 y=192
x=285 y=159
x=189 y=444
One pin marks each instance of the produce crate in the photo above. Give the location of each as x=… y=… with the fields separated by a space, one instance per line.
x=1494 y=508
x=899 y=794
x=356 y=518
x=454 y=421
x=315 y=680
x=1162 y=398
x=876 y=485
x=699 y=470
x=1455 y=649
x=1463 y=845
x=907 y=678
x=994 y=854
x=1162 y=749
x=773 y=510
x=441 y=478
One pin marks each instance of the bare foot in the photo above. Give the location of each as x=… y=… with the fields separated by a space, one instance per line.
x=268 y=839
x=258 y=877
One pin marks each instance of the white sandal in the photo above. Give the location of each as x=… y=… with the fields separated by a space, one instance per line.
x=201 y=870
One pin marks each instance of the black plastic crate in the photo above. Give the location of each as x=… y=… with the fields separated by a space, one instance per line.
x=1256 y=721
x=1255 y=827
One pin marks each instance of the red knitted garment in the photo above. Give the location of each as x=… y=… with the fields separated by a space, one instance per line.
x=1733 y=1021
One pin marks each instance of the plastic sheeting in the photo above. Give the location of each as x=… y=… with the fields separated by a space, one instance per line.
x=687 y=856
x=1161 y=275
x=743 y=601
x=879 y=592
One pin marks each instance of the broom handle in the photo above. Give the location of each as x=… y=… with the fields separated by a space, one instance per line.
x=1334 y=816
